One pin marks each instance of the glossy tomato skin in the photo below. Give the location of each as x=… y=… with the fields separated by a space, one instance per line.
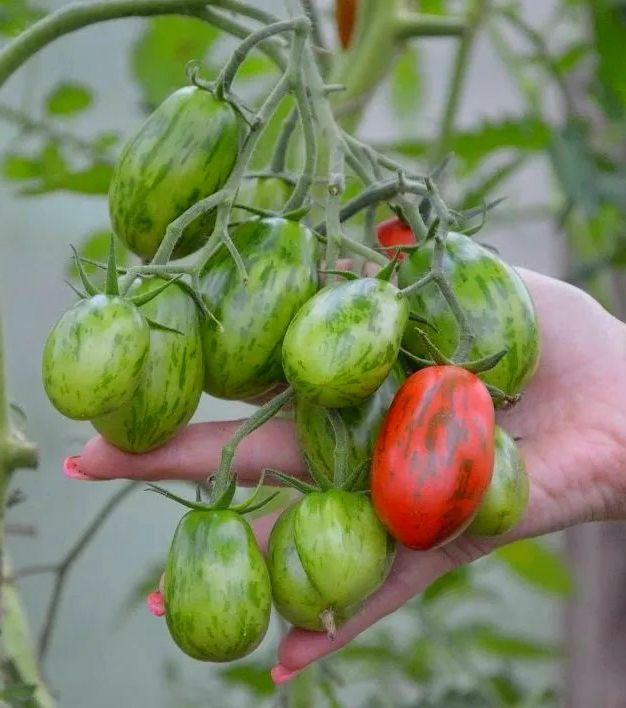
x=183 y=152
x=171 y=380
x=94 y=356
x=395 y=232
x=269 y=193
x=327 y=552
x=343 y=342
x=244 y=359
x=433 y=458
x=217 y=588
x=494 y=299
x=506 y=498
x=316 y=437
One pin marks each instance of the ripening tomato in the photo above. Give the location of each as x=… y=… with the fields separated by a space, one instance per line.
x=395 y=232
x=433 y=457
x=345 y=14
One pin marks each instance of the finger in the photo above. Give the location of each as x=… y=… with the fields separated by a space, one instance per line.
x=412 y=572
x=195 y=453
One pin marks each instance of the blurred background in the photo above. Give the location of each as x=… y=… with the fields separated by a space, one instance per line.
x=540 y=121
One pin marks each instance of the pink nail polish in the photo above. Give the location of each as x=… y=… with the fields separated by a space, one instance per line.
x=72 y=471
x=156 y=605
x=281 y=675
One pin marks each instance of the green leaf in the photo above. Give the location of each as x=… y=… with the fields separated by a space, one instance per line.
x=418 y=661
x=18 y=693
x=406 y=85
x=433 y=7
x=538 y=566
x=525 y=133
x=256 y=65
x=457 y=581
x=609 y=25
x=94 y=180
x=68 y=99
x=164 y=49
x=16 y=15
x=19 y=167
x=254 y=677
x=572 y=56
x=490 y=640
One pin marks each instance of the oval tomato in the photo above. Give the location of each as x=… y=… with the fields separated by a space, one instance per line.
x=495 y=301
x=395 y=232
x=94 y=356
x=317 y=439
x=184 y=151
x=506 y=498
x=171 y=379
x=217 y=588
x=433 y=458
x=326 y=554
x=243 y=360
x=342 y=343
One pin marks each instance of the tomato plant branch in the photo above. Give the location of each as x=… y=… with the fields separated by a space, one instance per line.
x=224 y=476
x=301 y=27
x=475 y=18
x=15 y=450
x=227 y=75
x=62 y=569
x=75 y=16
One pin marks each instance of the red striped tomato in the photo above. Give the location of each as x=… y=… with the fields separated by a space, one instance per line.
x=394 y=232
x=433 y=457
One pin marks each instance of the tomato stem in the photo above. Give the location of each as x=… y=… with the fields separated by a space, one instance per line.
x=227 y=75
x=224 y=474
x=327 y=618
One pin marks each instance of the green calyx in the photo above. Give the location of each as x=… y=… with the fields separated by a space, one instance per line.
x=344 y=479
x=223 y=500
x=112 y=287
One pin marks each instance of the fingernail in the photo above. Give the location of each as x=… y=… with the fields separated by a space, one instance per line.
x=71 y=470
x=156 y=605
x=281 y=675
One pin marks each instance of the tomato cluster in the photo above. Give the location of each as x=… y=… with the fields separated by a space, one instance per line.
x=402 y=445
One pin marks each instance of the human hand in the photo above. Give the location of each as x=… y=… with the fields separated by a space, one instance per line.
x=572 y=428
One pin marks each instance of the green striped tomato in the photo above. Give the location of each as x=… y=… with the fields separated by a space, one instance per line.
x=243 y=360
x=326 y=554
x=94 y=356
x=217 y=588
x=183 y=152
x=171 y=380
x=343 y=342
x=494 y=299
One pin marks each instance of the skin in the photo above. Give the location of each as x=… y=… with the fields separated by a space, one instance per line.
x=572 y=425
x=433 y=458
